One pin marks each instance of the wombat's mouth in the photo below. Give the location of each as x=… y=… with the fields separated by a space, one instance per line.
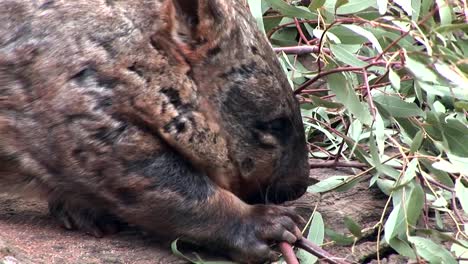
x=279 y=194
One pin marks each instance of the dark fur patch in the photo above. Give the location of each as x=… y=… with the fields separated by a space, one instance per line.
x=170 y=171
x=83 y=78
x=247 y=164
x=109 y=135
x=110 y=2
x=239 y=103
x=134 y=68
x=127 y=195
x=244 y=70
x=79 y=154
x=103 y=103
x=254 y=50
x=173 y=95
x=175 y=124
x=214 y=51
x=47 y=4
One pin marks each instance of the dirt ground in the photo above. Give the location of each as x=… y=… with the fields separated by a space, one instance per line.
x=29 y=235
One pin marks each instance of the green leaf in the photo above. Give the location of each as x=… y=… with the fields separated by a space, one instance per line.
x=406 y=5
x=414 y=204
x=455 y=136
x=445 y=12
x=444 y=165
x=349 y=183
x=410 y=172
x=256 y=10
x=394 y=224
x=452 y=27
x=367 y=34
x=417 y=141
x=397 y=107
x=405 y=212
x=416 y=7
x=442 y=90
x=441 y=176
x=346 y=95
x=386 y=186
x=340 y=239
x=339 y=3
x=382 y=4
x=317 y=101
x=179 y=254
x=461 y=252
x=354 y=6
x=317 y=229
x=460 y=163
x=402 y=247
x=461 y=106
x=420 y=70
x=327 y=184
x=353 y=227
x=462 y=194
x=394 y=79
x=451 y=73
x=431 y=251
x=316 y=4
x=316 y=235
x=289 y=10
x=345 y=56
x=439 y=221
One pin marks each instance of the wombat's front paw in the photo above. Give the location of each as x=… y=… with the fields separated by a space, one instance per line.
x=87 y=218
x=265 y=225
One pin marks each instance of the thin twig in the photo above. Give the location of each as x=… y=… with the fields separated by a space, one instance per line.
x=300 y=50
x=334 y=164
x=369 y=95
x=318 y=252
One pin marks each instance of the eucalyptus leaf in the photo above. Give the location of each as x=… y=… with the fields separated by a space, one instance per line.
x=432 y=252
x=289 y=10
x=346 y=95
x=353 y=227
x=462 y=194
x=257 y=12
x=316 y=235
x=346 y=57
x=397 y=107
x=340 y=239
x=327 y=184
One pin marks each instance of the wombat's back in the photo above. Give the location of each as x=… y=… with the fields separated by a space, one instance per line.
x=64 y=68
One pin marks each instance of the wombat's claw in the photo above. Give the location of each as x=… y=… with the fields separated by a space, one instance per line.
x=266 y=224
x=93 y=222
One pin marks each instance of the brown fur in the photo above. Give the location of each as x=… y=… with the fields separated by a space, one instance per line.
x=172 y=115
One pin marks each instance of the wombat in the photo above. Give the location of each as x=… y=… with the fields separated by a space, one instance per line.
x=173 y=115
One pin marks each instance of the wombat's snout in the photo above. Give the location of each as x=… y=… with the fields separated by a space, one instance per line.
x=279 y=193
x=289 y=186
x=286 y=191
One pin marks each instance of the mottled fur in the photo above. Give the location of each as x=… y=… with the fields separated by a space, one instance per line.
x=172 y=115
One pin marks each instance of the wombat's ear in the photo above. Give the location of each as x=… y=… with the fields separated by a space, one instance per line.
x=196 y=26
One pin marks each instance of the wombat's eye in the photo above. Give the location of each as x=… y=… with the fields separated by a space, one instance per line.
x=278 y=127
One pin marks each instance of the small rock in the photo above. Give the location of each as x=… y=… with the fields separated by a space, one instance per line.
x=9 y=260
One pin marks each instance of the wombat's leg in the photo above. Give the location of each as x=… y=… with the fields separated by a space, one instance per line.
x=183 y=203
x=88 y=217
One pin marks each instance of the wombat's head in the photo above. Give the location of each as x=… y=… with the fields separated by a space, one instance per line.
x=241 y=85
